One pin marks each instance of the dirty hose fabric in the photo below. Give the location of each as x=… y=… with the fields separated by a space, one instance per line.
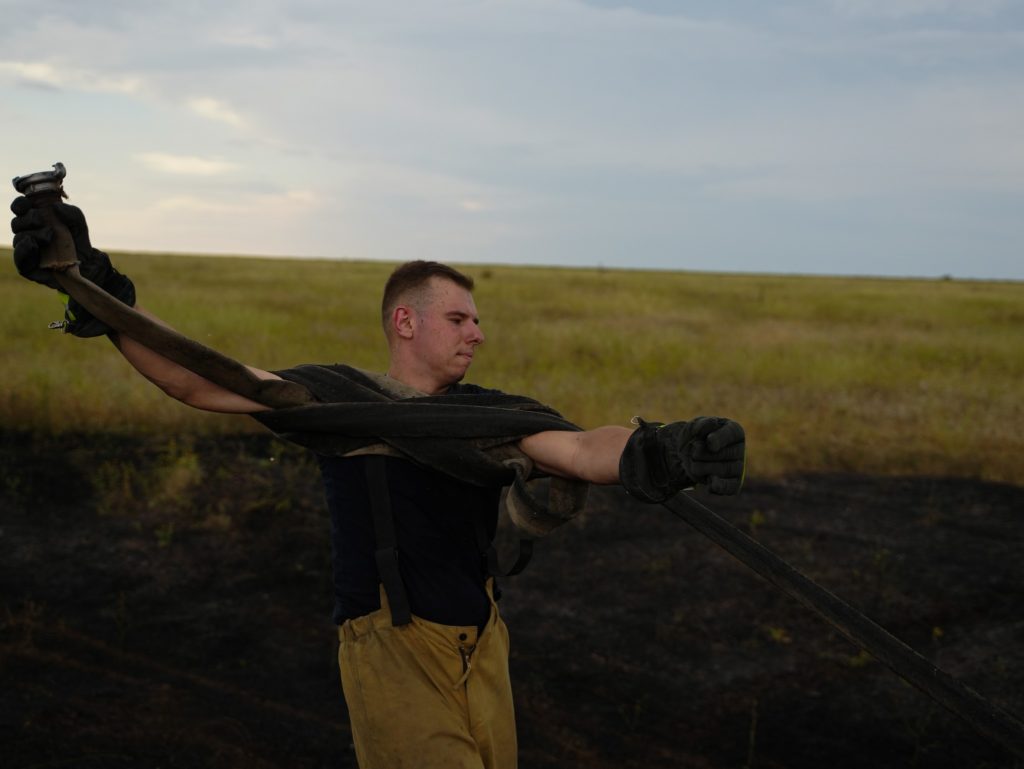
x=471 y=436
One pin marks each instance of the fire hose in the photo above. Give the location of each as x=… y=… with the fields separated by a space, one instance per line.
x=986 y=718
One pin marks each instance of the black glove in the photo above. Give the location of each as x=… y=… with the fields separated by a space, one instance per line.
x=660 y=460
x=32 y=235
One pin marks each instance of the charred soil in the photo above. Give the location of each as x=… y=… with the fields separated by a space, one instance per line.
x=167 y=604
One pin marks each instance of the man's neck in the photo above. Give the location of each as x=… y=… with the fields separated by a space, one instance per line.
x=425 y=385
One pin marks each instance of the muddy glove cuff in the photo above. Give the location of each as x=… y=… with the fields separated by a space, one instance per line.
x=660 y=460
x=32 y=235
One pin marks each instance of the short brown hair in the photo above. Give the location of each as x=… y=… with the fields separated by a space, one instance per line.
x=413 y=275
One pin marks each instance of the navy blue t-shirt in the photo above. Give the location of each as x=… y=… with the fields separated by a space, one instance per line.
x=438 y=554
x=435 y=530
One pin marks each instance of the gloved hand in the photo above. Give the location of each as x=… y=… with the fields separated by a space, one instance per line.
x=660 y=460
x=32 y=235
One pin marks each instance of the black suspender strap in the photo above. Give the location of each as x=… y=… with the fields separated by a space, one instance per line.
x=387 y=548
x=489 y=555
x=386 y=554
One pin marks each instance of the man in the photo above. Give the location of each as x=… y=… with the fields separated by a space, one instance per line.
x=423 y=651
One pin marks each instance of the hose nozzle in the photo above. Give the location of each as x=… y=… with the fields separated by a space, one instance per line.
x=44 y=190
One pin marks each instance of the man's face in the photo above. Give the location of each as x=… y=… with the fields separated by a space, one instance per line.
x=447 y=331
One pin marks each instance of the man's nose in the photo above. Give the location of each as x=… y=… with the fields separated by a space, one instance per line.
x=477 y=335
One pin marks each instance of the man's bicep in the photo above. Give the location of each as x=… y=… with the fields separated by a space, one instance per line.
x=186 y=386
x=209 y=396
x=181 y=383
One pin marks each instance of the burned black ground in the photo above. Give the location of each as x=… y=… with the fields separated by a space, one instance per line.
x=167 y=605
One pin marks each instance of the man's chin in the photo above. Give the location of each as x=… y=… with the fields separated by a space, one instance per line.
x=459 y=375
x=454 y=374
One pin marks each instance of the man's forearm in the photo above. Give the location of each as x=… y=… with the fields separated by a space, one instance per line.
x=591 y=455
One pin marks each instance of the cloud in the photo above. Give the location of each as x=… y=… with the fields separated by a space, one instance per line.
x=196 y=204
x=244 y=38
x=653 y=7
x=300 y=197
x=899 y=9
x=41 y=74
x=187 y=165
x=216 y=110
x=261 y=206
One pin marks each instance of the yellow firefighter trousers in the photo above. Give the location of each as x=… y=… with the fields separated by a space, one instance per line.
x=428 y=696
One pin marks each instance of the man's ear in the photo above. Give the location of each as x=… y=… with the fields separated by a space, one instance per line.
x=403 y=321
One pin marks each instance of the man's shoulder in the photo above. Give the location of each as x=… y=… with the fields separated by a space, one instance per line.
x=333 y=382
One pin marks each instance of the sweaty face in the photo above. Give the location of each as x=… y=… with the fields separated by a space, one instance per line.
x=447 y=331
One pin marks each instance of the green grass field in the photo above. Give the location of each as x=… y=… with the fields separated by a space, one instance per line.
x=827 y=374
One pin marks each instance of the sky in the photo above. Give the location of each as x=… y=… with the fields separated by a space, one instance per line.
x=850 y=137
